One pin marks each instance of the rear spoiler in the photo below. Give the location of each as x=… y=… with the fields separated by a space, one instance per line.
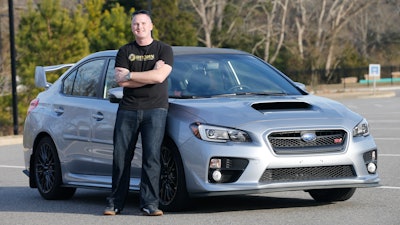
x=40 y=74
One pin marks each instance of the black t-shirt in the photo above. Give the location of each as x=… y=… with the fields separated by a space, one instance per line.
x=137 y=58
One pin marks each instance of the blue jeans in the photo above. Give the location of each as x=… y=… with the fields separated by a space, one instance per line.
x=151 y=125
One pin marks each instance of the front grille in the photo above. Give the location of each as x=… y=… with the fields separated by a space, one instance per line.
x=291 y=142
x=307 y=174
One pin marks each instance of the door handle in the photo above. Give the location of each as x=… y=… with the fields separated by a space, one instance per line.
x=98 y=116
x=59 y=111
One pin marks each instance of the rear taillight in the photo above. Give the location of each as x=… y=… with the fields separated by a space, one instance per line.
x=33 y=104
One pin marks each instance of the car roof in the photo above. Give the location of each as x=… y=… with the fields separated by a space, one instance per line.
x=184 y=50
x=181 y=50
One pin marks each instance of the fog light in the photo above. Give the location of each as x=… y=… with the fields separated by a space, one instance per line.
x=373 y=156
x=216 y=175
x=215 y=163
x=371 y=167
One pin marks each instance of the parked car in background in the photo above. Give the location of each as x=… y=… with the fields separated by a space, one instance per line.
x=236 y=125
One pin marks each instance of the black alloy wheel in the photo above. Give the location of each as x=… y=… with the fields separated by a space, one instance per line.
x=173 y=193
x=47 y=172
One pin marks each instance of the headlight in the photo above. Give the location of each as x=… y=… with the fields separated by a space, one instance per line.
x=362 y=129
x=219 y=134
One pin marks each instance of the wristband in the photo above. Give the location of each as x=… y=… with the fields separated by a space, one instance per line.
x=128 y=76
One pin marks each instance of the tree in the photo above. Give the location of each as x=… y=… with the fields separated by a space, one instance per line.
x=211 y=14
x=376 y=29
x=108 y=29
x=319 y=27
x=115 y=29
x=48 y=35
x=234 y=29
x=94 y=11
x=271 y=18
x=127 y=4
x=174 y=26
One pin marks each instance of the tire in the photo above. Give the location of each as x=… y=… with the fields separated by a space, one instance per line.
x=332 y=195
x=47 y=172
x=173 y=192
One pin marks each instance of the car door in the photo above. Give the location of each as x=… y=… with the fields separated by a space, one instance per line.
x=81 y=90
x=102 y=131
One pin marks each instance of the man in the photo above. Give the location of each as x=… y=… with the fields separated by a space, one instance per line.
x=141 y=68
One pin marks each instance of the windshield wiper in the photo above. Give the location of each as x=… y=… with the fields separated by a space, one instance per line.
x=263 y=93
x=230 y=94
x=188 y=97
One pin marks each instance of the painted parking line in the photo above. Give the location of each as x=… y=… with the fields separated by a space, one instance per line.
x=389 y=187
x=387 y=138
x=389 y=155
x=15 y=167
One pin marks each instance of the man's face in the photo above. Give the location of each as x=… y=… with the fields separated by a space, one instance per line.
x=141 y=26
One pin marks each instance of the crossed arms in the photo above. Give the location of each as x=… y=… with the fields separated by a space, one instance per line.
x=138 y=79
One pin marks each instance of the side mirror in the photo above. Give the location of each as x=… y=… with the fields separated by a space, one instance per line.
x=115 y=94
x=301 y=86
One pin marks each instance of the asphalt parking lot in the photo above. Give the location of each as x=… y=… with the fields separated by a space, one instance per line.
x=22 y=205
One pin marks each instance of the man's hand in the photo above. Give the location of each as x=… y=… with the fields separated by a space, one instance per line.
x=158 y=64
x=157 y=75
x=121 y=74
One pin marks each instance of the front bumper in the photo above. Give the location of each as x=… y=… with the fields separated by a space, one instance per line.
x=256 y=177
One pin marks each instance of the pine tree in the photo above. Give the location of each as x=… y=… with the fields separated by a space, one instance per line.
x=115 y=29
x=48 y=34
x=108 y=29
x=94 y=10
x=174 y=26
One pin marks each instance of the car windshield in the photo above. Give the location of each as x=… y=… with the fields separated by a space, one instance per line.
x=225 y=74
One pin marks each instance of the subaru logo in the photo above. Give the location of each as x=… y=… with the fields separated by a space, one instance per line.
x=307 y=136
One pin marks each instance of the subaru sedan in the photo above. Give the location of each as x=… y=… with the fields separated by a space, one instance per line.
x=236 y=125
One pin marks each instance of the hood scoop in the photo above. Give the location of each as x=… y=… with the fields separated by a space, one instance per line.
x=279 y=106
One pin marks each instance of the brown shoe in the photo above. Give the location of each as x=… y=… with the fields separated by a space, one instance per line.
x=111 y=211
x=151 y=211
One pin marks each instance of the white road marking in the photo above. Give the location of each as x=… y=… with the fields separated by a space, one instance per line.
x=383 y=121
x=389 y=155
x=389 y=187
x=387 y=139
x=384 y=128
x=16 y=167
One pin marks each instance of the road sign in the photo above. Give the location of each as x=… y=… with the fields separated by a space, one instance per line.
x=374 y=70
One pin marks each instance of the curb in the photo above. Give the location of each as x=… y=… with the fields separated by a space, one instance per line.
x=357 y=95
x=11 y=140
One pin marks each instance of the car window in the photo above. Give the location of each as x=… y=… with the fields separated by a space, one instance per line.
x=257 y=76
x=68 y=83
x=110 y=79
x=83 y=81
x=209 y=75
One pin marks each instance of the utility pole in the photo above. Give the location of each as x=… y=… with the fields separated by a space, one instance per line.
x=13 y=70
x=149 y=5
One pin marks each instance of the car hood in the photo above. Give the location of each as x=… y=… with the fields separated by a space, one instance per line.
x=238 y=111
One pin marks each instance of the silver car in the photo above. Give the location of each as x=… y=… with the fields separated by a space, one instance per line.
x=236 y=125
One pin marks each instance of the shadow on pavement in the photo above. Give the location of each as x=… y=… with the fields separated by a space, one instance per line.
x=25 y=199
